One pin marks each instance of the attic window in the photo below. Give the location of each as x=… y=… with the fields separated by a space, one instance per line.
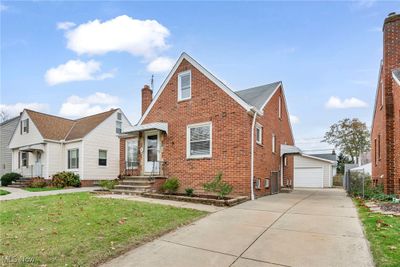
x=382 y=94
x=118 y=127
x=119 y=116
x=25 y=126
x=184 y=85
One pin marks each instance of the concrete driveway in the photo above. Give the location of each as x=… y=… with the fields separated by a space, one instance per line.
x=303 y=228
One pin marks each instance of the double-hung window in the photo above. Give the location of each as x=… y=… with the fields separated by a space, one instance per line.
x=24 y=159
x=199 y=140
x=73 y=158
x=102 y=157
x=118 y=126
x=259 y=133
x=131 y=153
x=25 y=126
x=184 y=85
x=273 y=143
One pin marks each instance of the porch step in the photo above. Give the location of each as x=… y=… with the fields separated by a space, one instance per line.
x=20 y=183
x=142 y=188
x=127 y=192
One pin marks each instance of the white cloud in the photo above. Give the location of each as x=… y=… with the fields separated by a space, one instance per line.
x=65 y=25
x=76 y=106
x=3 y=7
x=365 y=3
x=336 y=103
x=294 y=119
x=13 y=110
x=76 y=70
x=122 y=34
x=375 y=29
x=160 y=64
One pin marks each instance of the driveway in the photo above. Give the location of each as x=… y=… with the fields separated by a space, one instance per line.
x=303 y=228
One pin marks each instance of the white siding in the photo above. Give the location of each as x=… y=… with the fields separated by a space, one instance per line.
x=25 y=139
x=55 y=156
x=103 y=137
x=6 y=131
x=64 y=158
x=303 y=162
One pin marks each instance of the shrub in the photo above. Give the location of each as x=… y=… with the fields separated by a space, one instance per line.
x=108 y=184
x=37 y=182
x=371 y=191
x=171 y=185
x=8 y=178
x=218 y=187
x=189 y=192
x=63 y=179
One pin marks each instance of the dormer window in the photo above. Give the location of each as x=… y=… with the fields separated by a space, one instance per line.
x=25 y=126
x=184 y=85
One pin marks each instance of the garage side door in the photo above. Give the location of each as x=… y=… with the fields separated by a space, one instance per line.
x=308 y=177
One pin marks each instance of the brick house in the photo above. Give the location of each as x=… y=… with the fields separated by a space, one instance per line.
x=195 y=127
x=385 y=134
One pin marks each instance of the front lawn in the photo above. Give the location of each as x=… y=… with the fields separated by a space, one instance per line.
x=3 y=192
x=383 y=233
x=39 y=189
x=80 y=229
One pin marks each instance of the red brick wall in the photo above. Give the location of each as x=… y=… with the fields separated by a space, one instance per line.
x=147 y=97
x=266 y=161
x=396 y=104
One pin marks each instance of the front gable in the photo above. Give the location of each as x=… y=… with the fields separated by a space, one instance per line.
x=20 y=139
x=198 y=78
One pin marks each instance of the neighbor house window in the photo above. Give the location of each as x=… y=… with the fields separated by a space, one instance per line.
x=280 y=107
x=259 y=133
x=25 y=126
x=24 y=159
x=118 y=127
x=131 y=153
x=102 y=157
x=273 y=143
x=199 y=140
x=184 y=85
x=73 y=158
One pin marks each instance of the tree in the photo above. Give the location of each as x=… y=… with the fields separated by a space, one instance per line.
x=4 y=116
x=350 y=136
x=342 y=160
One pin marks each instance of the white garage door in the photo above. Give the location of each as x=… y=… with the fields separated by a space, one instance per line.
x=308 y=177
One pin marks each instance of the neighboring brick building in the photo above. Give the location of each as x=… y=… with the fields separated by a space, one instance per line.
x=196 y=127
x=385 y=135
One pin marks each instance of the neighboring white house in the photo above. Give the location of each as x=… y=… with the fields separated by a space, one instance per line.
x=313 y=171
x=43 y=145
x=7 y=129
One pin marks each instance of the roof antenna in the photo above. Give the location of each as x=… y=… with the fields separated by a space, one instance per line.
x=152 y=82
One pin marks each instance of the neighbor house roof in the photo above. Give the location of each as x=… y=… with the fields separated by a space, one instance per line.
x=258 y=96
x=328 y=156
x=57 y=128
x=9 y=120
x=396 y=75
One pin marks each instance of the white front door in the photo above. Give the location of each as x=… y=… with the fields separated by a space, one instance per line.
x=38 y=164
x=151 y=152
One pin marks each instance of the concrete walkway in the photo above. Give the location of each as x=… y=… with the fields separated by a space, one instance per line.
x=17 y=193
x=303 y=228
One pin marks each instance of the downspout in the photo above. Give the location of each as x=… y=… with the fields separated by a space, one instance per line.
x=252 y=153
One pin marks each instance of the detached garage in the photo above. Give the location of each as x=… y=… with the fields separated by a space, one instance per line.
x=313 y=172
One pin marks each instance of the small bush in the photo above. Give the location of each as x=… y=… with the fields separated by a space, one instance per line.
x=37 y=183
x=189 y=192
x=8 y=178
x=63 y=179
x=218 y=187
x=171 y=185
x=371 y=191
x=108 y=184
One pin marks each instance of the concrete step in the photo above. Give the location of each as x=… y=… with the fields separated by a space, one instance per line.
x=142 y=188
x=142 y=178
x=126 y=192
x=134 y=182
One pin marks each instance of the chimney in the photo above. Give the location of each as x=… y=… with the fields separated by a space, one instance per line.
x=391 y=44
x=147 y=97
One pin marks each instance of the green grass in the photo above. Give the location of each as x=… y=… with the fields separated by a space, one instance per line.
x=39 y=189
x=80 y=229
x=383 y=233
x=3 y=192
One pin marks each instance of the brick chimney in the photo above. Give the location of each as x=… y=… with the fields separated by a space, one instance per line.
x=147 y=97
x=391 y=44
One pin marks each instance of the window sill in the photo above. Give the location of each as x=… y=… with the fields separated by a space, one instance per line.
x=196 y=158
x=260 y=144
x=184 y=100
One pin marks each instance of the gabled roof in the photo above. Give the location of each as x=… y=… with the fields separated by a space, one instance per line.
x=318 y=158
x=258 y=96
x=396 y=75
x=57 y=128
x=8 y=121
x=328 y=156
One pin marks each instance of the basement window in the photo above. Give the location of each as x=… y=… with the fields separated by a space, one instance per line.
x=184 y=85
x=258 y=183
x=266 y=184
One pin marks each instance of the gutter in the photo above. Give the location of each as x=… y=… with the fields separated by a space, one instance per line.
x=255 y=113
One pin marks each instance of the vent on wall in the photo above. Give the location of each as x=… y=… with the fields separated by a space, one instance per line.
x=258 y=183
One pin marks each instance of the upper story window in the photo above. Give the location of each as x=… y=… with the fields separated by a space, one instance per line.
x=199 y=140
x=73 y=158
x=102 y=157
x=118 y=127
x=184 y=85
x=259 y=129
x=119 y=116
x=379 y=146
x=273 y=143
x=280 y=107
x=25 y=126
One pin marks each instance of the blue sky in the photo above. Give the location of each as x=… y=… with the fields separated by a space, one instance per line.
x=55 y=56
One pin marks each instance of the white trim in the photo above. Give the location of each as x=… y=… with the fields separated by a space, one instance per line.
x=146 y=134
x=126 y=150
x=280 y=107
x=180 y=82
x=273 y=143
x=205 y=72
x=188 y=127
x=259 y=127
x=395 y=78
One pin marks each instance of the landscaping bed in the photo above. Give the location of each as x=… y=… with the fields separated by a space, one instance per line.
x=202 y=199
x=390 y=207
x=383 y=233
x=39 y=189
x=80 y=229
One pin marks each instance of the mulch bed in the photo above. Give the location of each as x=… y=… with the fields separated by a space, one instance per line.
x=395 y=207
x=384 y=208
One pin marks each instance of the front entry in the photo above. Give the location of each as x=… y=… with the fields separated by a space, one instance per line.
x=151 y=153
x=38 y=165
